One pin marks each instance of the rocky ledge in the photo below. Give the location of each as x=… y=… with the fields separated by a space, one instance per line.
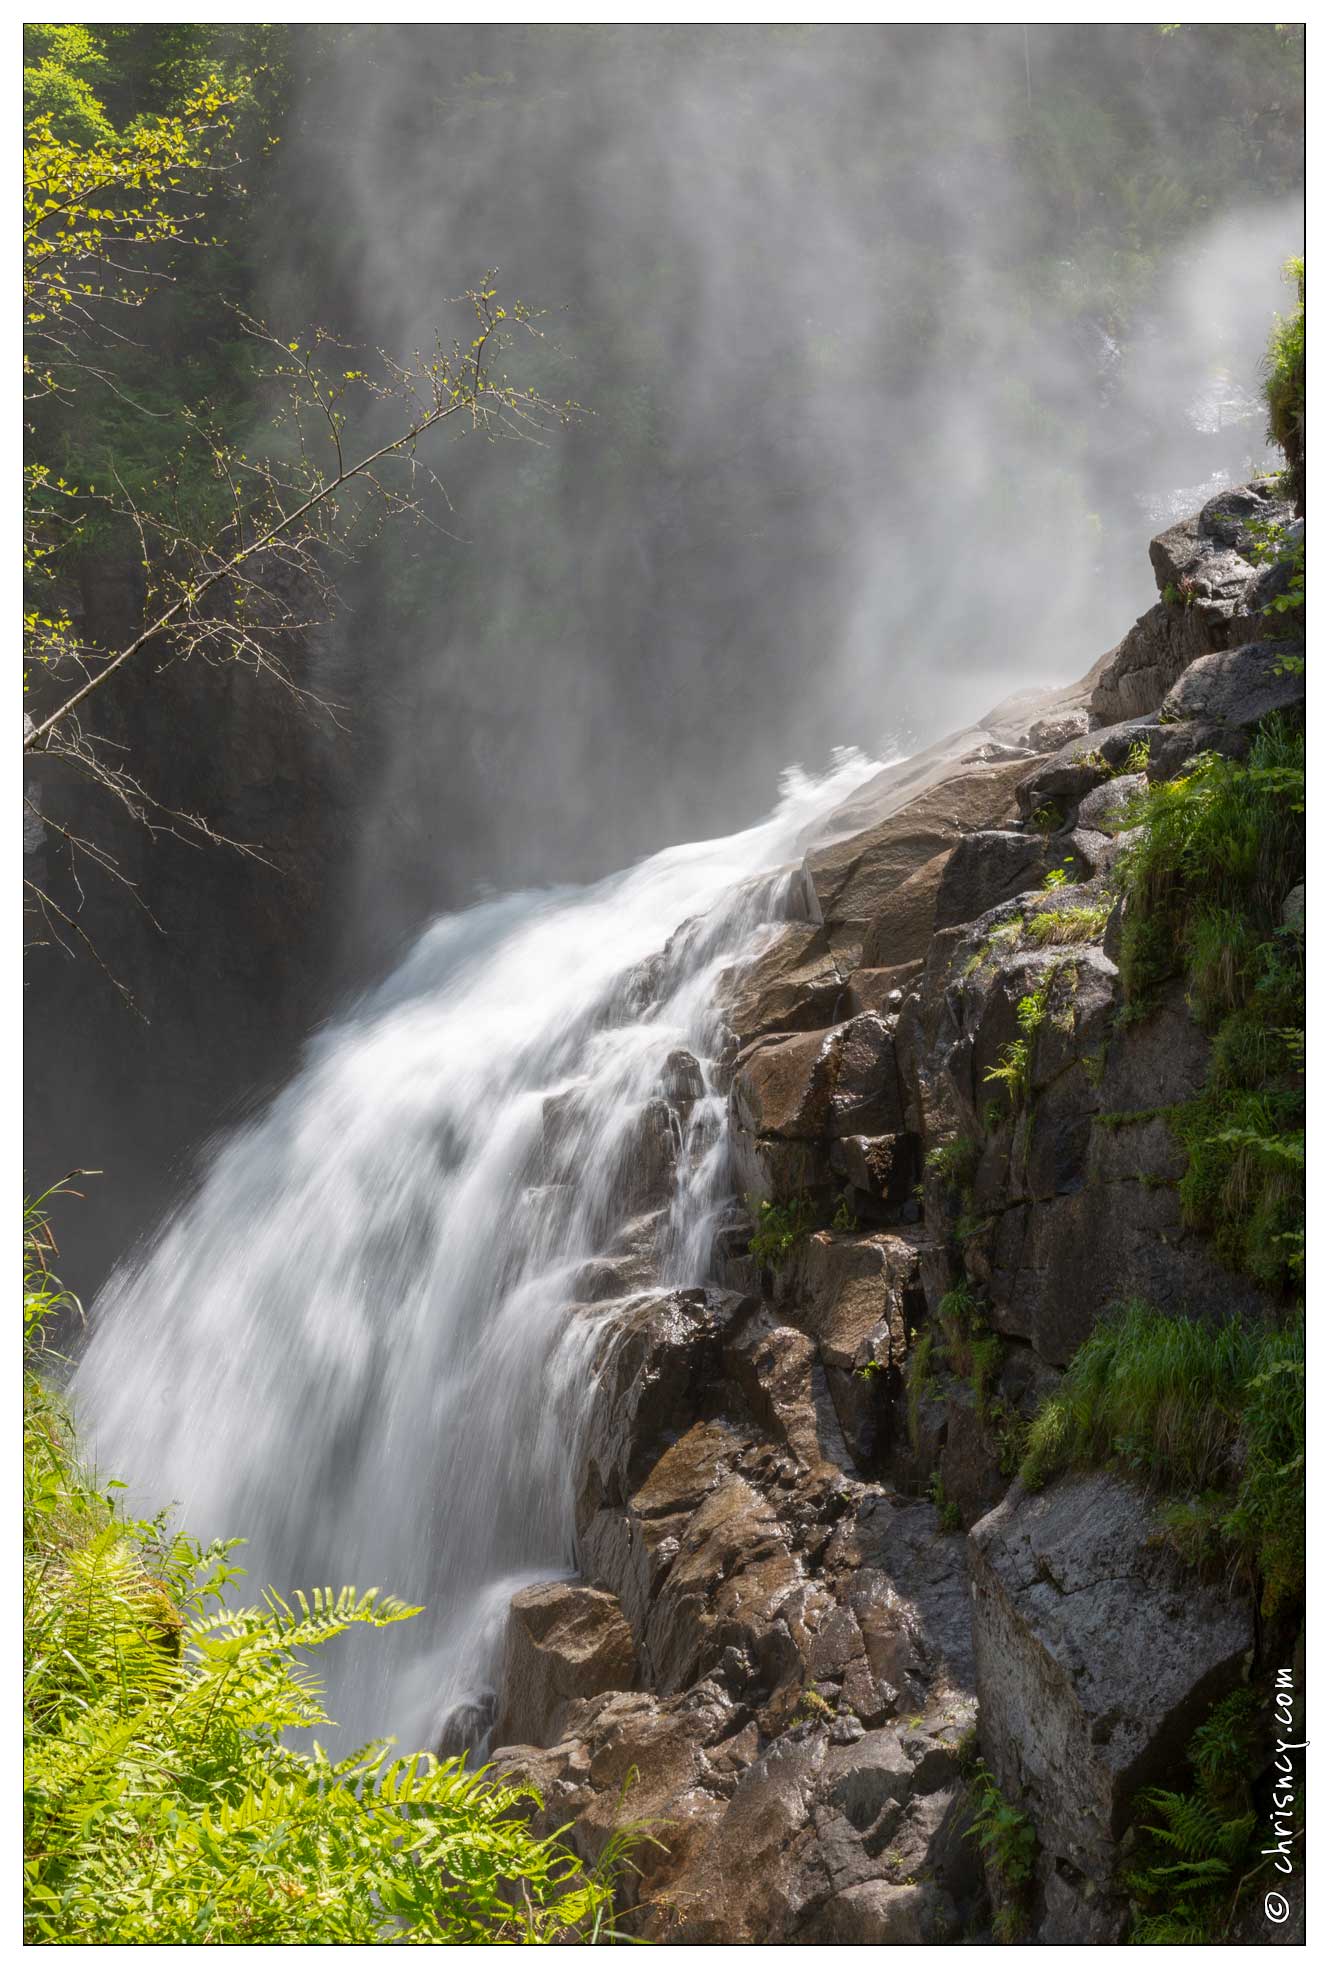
x=811 y=1591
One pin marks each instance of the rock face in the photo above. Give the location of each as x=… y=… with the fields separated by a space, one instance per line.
x=779 y=1624
x=1097 y=1657
x=1214 y=597
x=564 y=1642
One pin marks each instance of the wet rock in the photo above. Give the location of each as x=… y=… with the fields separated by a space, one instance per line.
x=879 y=990
x=865 y=1089
x=563 y=1642
x=1053 y=1268
x=1097 y=1656
x=794 y=985
x=885 y=880
x=852 y=1294
x=792 y=1097
x=657 y=1375
x=881 y=1166
x=681 y=1082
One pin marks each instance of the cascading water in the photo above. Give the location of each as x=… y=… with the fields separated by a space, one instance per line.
x=368 y=1342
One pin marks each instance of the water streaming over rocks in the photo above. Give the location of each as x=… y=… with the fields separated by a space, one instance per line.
x=368 y=1341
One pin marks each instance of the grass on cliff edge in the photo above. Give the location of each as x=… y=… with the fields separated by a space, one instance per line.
x=160 y=1802
x=1211 y=1416
x=1221 y=847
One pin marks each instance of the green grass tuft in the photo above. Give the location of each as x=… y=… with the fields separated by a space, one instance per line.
x=1192 y=1410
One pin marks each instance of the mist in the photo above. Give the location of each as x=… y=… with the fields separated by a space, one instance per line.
x=877 y=428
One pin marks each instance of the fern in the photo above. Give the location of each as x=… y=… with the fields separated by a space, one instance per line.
x=1194 y=1848
x=162 y=1805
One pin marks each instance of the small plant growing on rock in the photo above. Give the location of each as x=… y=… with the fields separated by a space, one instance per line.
x=1046 y=820
x=1011 y=1070
x=918 y=1381
x=780 y=1226
x=1070 y=923
x=1057 y=878
x=1285 y=382
x=845 y=1218
x=812 y=1707
x=948 y=1512
x=1009 y=1846
x=953 y=1162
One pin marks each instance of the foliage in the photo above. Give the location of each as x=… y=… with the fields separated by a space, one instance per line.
x=1195 y=1850
x=1221 y=848
x=845 y=1218
x=61 y=66
x=161 y=1803
x=1272 y=548
x=948 y=1511
x=1285 y=382
x=812 y=1707
x=918 y=1381
x=1009 y=1846
x=1069 y=923
x=1012 y=1070
x=780 y=1226
x=953 y=1162
x=232 y=548
x=1192 y=1410
x=1045 y=820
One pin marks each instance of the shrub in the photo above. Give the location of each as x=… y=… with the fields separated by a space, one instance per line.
x=1012 y=1070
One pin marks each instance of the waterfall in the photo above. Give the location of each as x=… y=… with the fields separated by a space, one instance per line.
x=368 y=1341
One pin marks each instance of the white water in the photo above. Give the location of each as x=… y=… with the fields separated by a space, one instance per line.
x=365 y=1342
